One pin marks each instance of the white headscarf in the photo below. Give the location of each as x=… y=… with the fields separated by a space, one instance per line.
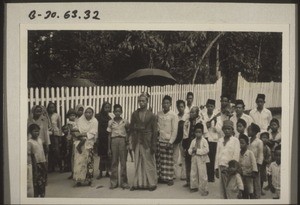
x=88 y=127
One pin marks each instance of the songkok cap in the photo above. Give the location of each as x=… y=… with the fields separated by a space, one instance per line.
x=239 y=102
x=211 y=102
x=261 y=96
x=255 y=128
x=199 y=126
x=228 y=123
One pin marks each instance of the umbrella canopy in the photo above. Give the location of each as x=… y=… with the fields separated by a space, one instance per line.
x=60 y=81
x=150 y=77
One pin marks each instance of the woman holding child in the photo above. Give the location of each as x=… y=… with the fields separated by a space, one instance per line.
x=84 y=141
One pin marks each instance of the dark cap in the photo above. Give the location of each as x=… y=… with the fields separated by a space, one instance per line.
x=255 y=128
x=244 y=137
x=211 y=102
x=242 y=121
x=239 y=102
x=261 y=96
x=198 y=126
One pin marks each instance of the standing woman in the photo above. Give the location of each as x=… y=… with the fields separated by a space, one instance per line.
x=55 y=135
x=143 y=130
x=84 y=161
x=103 y=118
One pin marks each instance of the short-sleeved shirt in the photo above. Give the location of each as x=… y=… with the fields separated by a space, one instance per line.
x=248 y=163
x=227 y=152
x=275 y=173
x=234 y=185
x=118 y=129
x=257 y=147
x=262 y=119
x=245 y=117
x=35 y=147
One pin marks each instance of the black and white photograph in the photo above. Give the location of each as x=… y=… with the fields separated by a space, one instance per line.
x=154 y=112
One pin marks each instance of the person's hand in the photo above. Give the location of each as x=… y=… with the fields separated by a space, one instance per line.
x=217 y=173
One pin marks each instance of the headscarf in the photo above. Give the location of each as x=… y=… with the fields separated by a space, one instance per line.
x=89 y=127
x=103 y=119
x=78 y=107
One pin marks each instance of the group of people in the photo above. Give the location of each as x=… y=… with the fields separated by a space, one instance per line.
x=195 y=144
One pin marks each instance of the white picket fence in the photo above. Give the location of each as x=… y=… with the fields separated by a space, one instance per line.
x=66 y=98
x=247 y=91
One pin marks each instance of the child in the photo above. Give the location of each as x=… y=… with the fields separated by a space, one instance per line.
x=275 y=135
x=35 y=149
x=167 y=128
x=256 y=146
x=234 y=186
x=248 y=165
x=267 y=159
x=240 y=127
x=67 y=148
x=118 y=129
x=74 y=128
x=199 y=150
x=275 y=173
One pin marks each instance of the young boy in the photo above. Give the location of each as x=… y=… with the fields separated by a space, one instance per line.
x=234 y=186
x=275 y=135
x=228 y=148
x=267 y=159
x=199 y=150
x=239 y=114
x=178 y=152
x=240 y=127
x=256 y=146
x=261 y=115
x=36 y=151
x=275 y=173
x=118 y=129
x=189 y=102
x=67 y=148
x=167 y=128
x=248 y=165
x=74 y=128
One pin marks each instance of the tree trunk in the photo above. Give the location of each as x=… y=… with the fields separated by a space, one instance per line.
x=204 y=54
x=218 y=73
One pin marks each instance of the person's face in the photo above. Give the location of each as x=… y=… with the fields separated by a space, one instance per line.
x=260 y=103
x=118 y=112
x=38 y=112
x=264 y=138
x=232 y=170
x=35 y=133
x=198 y=132
x=243 y=144
x=107 y=108
x=274 y=126
x=143 y=102
x=250 y=132
x=224 y=102
x=239 y=109
x=65 y=130
x=51 y=108
x=189 y=99
x=240 y=128
x=181 y=108
x=88 y=114
x=193 y=113
x=80 y=112
x=228 y=131
x=72 y=117
x=210 y=107
x=277 y=156
x=166 y=104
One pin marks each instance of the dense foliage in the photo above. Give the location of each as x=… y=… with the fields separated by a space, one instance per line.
x=107 y=57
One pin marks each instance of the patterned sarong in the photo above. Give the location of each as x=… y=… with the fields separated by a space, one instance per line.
x=164 y=162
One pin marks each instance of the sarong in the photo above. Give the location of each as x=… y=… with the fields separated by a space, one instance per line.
x=165 y=163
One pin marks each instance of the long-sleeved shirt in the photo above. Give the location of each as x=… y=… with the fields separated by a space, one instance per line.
x=262 y=119
x=245 y=117
x=187 y=109
x=167 y=126
x=212 y=134
x=227 y=152
x=257 y=147
x=219 y=124
x=248 y=163
x=187 y=124
x=202 y=148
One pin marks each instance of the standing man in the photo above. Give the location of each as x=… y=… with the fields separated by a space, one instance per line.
x=261 y=115
x=143 y=128
x=228 y=148
x=188 y=136
x=189 y=102
x=167 y=128
x=239 y=114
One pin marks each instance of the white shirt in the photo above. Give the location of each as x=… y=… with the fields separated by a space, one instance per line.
x=187 y=109
x=202 y=149
x=245 y=117
x=35 y=147
x=184 y=117
x=167 y=126
x=275 y=173
x=231 y=151
x=262 y=119
x=212 y=134
x=257 y=147
x=187 y=124
x=219 y=124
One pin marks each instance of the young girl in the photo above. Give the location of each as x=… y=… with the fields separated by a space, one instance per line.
x=55 y=134
x=36 y=151
x=199 y=150
x=248 y=165
x=234 y=186
x=118 y=129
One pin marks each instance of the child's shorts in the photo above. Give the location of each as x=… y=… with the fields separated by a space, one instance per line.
x=248 y=184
